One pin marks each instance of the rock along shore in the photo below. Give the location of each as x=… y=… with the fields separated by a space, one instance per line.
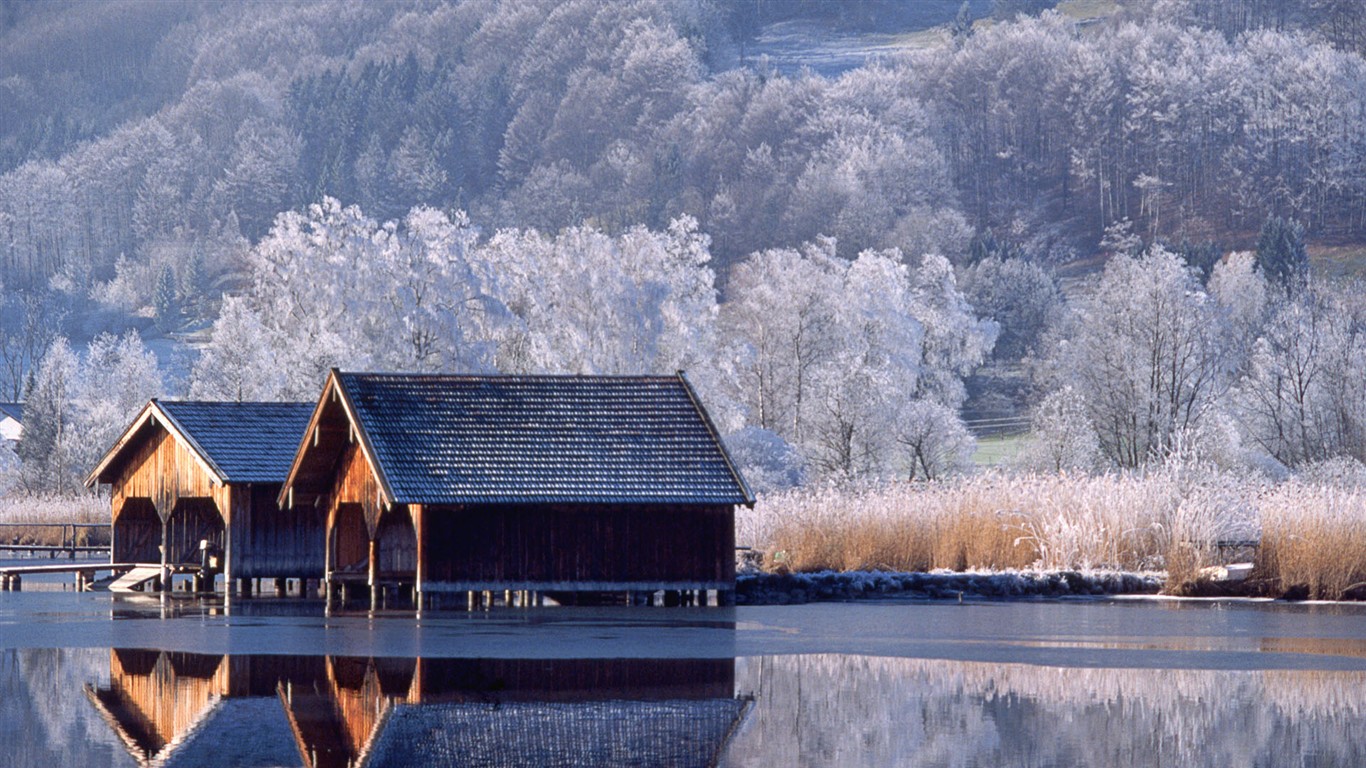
x=762 y=588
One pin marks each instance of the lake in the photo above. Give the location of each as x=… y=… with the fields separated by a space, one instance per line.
x=90 y=679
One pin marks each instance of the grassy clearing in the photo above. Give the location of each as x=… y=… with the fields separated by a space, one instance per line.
x=1163 y=520
x=1338 y=262
x=998 y=450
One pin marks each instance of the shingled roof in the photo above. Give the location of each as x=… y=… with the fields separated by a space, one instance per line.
x=445 y=439
x=240 y=442
x=246 y=442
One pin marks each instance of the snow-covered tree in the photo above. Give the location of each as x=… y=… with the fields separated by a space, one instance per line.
x=1144 y=350
x=1302 y=399
x=117 y=377
x=934 y=440
x=1061 y=438
x=239 y=362
x=50 y=450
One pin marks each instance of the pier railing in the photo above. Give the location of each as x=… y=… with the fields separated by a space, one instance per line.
x=54 y=539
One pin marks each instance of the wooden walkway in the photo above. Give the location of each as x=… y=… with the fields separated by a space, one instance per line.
x=12 y=577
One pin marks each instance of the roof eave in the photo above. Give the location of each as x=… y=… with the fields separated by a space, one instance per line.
x=716 y=438
x=152 y=411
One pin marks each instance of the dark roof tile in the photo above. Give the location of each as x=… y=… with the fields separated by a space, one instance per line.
x=246 y=442
x=541 y=439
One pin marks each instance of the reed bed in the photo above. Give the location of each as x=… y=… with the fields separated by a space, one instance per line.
x=35 y=519
x=1315 y=536
x=1166 y=519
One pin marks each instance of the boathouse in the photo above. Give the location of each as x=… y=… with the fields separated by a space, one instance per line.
x=534 y=484
x=186 y=472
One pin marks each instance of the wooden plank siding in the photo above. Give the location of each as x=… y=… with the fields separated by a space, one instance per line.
x=279 y=543
x=190 y=505
x=563 y=544
x=162 y=491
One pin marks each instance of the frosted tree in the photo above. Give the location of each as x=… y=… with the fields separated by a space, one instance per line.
x=782 y=324
x=1020 y=296
x=239 y=362
x=877 y=360
x=50 y=450
x=430 y=306
x=1061 y=438
x=1244 y=299
x=766 y=461
x=934 y=439
x=1301 y=399
x=955 y=341
x=1144 y=350
x=588 y=302
x=116 y=379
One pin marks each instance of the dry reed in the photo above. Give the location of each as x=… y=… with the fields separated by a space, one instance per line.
x=1164 y=519
x=1315 y=537
x=37 y=518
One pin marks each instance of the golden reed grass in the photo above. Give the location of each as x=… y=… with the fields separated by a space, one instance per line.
x=1315 y=537
x=1164 y=519
x=33 y=519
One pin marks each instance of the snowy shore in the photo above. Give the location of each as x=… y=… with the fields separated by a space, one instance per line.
x=762 y=588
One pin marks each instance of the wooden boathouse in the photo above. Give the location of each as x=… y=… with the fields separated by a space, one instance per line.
x=525 y=484
x=190 y=471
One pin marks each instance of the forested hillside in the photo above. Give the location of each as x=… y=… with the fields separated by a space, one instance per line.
x=261 y=190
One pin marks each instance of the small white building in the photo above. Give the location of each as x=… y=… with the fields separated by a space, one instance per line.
x=11 y=421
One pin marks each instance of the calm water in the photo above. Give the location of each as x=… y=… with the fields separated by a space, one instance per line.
x=92 y=680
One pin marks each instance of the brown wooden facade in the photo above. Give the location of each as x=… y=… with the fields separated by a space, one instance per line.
x=167 y=497
x=371 y=537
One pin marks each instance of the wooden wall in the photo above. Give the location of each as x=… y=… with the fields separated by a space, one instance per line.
x=580 y=544
x=274 y=542
x=164 y=470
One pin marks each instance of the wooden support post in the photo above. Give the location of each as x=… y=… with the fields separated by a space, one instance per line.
x=373 y=574
x=16 y=583
x=165 y=556
x=281 y=587
x=416 y=512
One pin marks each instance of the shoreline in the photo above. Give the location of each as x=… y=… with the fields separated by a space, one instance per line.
x=763 y=588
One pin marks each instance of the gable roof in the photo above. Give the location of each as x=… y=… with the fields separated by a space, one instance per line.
x=446 y=439
x=246 y=442
x=13 y=410
x=237 y=442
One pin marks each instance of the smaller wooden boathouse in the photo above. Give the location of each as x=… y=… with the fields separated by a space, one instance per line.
x=518 y=484
x=186 y=472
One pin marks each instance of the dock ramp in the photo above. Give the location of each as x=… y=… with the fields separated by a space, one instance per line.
x=135 y=580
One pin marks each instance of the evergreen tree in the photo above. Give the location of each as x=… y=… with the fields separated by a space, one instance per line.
x=46 y=450
x=191 y=281
x=165 y=302
x=1281 y=255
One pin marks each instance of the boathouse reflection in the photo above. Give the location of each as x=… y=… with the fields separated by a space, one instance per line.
x=337 y=712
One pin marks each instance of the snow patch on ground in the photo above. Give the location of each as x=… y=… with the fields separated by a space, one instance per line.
x=760 y=588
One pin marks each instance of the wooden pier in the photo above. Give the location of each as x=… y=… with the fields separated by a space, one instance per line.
x=12 y=577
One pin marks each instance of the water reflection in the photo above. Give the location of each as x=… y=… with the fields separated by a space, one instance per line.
x=869 y=711
x=333 y=712
x=130 y=707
